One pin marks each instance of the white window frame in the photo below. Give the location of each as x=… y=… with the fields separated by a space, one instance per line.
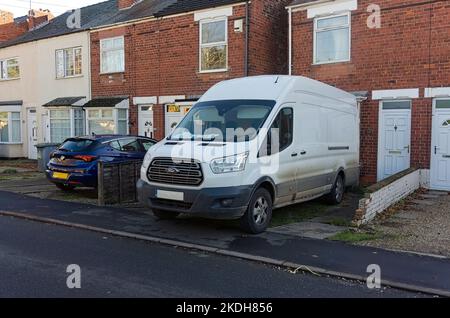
x=64 y=52
x=4 y=69
x=71 y=120
x=114 y=118
x=201 y=46
x=317 y=30
x=102 y=71
x=10 y=121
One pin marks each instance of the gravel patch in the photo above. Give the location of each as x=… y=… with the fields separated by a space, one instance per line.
x=420 y=224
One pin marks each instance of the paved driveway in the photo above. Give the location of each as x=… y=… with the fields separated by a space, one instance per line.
x=421 y=224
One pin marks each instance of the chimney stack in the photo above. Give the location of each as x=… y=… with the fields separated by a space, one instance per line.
x=38 y=16
x=125 y=4
x=6 y=17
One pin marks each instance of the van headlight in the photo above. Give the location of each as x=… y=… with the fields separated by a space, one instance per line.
x=229 y=164
x=147 y=159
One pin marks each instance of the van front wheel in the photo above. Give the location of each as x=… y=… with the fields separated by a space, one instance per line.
x=259 y=212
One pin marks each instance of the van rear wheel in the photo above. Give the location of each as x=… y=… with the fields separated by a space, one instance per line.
x=259 y=212
x=336 y=195
x=164 y=215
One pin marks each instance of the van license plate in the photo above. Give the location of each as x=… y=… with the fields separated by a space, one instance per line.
x=170 y=195
x=60 y=175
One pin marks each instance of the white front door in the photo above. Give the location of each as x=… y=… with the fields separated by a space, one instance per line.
x=46 y=126
x=440 y=152
x=394 y=142
x=175 y=114
x=146 y=124
x=32 y=133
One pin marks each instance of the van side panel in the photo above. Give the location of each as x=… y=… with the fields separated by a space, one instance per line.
x=327 y=138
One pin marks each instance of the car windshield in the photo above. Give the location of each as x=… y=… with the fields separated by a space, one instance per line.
x=224 y=120
x=76 y=145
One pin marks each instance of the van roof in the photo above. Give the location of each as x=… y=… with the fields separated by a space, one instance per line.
x=272 y=87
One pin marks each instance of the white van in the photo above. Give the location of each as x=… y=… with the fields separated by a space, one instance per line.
x=252 y=145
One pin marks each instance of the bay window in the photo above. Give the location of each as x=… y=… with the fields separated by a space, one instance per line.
x=112 y=55
x=65 y=123
x=9 y=69
x=107 y=121
x=10 y=127
x=213 y=45
x=69 y=62
x=332 y=37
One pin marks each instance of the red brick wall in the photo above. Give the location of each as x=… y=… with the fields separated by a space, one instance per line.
x=162 y=56
x=410 y=50
x=9 y=31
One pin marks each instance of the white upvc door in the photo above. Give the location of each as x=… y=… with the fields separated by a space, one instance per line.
x=32 y=128
x=394 y=139
x=175 y=114
x=440 y=152
x=146 y=123
x=46 y=127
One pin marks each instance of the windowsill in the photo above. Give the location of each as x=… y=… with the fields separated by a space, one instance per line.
x=112 y=73
x=69 y=77
x=11 y=143
x=9 y=79
x=331 y=62
x=224 y=70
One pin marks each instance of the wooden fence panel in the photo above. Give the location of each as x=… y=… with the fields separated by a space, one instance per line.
x=117 y=182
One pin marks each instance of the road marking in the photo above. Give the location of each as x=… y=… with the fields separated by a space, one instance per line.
x=208 y=249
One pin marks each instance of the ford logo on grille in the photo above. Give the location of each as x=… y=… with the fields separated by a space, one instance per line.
x=173 y=170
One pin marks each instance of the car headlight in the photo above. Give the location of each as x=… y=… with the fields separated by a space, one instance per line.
x=229 y=164
x=147 y=159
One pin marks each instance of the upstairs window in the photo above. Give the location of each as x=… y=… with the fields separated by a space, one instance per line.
x=68 y=62
x=9 y=69
x=332 y=39
x=213 y=45
x=112 y=55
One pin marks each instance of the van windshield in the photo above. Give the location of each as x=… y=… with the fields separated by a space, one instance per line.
x=224 y=120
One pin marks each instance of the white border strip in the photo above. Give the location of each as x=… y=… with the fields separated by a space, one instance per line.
x=433 y=92
x=395 y=94
x=215 y=13
x=332 y=8
x=145 y=100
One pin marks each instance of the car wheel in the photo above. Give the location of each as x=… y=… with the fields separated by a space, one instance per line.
x=65 y=187
x=259 y=212
x=164 y=215
x=337 y=192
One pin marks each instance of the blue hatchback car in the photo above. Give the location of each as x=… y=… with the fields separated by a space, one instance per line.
x=74 y=163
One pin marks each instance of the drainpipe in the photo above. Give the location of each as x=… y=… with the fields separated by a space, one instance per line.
x=290 y=40
x=247 y=26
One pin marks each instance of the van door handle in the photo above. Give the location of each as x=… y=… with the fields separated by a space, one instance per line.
x=294 y=154
x=303 y=152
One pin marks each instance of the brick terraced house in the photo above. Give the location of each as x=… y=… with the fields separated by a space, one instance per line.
x=161 y=56
x=11 y=27
x=397 y=54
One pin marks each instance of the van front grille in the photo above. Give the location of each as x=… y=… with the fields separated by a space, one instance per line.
x=175 y=171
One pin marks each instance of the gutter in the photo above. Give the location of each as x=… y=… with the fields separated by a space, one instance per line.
x=247 y=34
x=290 y=40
